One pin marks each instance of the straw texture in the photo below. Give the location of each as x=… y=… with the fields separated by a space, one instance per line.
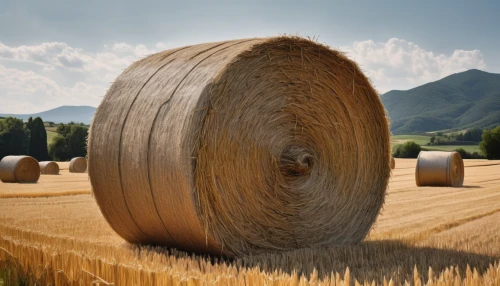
x=436 y=168
x=19 y=169
x=241 y=147
x=78 y=165
x=49 y=168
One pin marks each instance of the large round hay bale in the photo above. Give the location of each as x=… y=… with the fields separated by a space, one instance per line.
x=393 y=163
x=241 y=147
x=78 y=165
x=436 y=168
x=19 y=169
x=49 y=168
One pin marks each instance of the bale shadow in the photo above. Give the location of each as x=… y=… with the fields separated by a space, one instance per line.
x=471 y=187
x=370 y=261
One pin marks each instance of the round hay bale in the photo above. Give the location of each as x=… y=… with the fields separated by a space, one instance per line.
x=49 y=168
x=78 y=165
x=19 y=169
x=393 y=163
x=241 y=147
x=436 y=168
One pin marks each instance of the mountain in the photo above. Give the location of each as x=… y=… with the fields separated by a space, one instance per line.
x=62 y=114
x=461 y=100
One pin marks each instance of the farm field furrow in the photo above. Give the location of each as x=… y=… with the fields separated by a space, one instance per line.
x=418 y=228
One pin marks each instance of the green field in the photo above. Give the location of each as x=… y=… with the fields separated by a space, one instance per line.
x=422 y=140
x=468 y=148
x=50 y=135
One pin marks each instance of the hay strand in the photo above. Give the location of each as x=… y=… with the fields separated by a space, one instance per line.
x=393 y=163
x=49 y=168
x=19 y=169
x=78 y=165
x=241 y=147
x=437 y=168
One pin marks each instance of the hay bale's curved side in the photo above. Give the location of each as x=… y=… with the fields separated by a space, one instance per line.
x=393 y=163
x=19 y=169
x=78 y=165
x=241 y=147
x=49 y=168
x=436 y=168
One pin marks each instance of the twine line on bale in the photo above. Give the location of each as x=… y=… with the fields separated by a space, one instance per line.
x=78 y=165
x=241 y=147
x=19 y=169
x=49 y=168
x=438 y=168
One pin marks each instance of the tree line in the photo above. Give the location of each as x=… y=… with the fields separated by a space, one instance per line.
x=30 y=138
x=489 y=144
x=469 y=137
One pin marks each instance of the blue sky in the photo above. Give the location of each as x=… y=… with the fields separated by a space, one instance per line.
x=68 y=52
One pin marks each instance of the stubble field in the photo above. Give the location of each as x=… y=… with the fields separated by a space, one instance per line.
x=53 y=232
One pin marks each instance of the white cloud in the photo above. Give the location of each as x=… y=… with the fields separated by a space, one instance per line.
x=54 y=54
x=399 y=64
x=53 y=74
x=26 y=92
x=46 y=54
x=38 y=77
x=18 y=83
x=137 y=51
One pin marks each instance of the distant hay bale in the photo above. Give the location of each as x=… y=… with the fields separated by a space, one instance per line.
x=49 y=168
x=241 y=147
x=78 y=165
x=393 y=163
x=19 y=169
x=436 y=168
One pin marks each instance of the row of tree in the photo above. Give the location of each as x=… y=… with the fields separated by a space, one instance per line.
x=38 y=139
x=489 y=146
x=472 y=136
x=71 y=141
x=14 y=137
x=30 y=138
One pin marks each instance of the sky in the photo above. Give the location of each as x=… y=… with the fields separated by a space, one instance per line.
x=64 y=52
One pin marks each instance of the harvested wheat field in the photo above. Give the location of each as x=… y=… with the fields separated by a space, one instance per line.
x=51 y=233
x=57 y=185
